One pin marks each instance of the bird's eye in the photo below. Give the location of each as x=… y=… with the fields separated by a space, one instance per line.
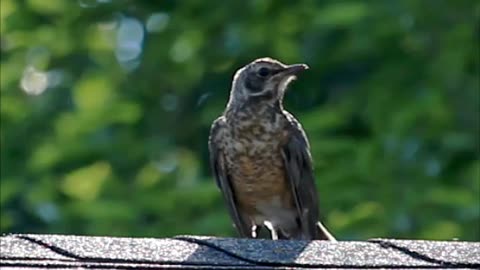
x=263 y=72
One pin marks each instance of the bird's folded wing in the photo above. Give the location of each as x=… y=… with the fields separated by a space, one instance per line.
x=299 y=168
x=220 y=171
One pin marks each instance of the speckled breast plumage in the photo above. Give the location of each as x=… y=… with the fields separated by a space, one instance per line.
x=253 y=157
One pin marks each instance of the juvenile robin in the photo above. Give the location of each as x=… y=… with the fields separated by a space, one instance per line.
x=261 y=159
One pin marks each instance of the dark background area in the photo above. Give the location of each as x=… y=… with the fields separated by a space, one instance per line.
x=106 y=107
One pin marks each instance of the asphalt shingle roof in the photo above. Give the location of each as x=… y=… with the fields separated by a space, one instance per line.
x=199 y=252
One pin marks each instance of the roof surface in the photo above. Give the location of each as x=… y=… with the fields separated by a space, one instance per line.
x=197 y=252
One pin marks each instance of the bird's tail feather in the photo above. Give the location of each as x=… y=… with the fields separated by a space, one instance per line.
x=324 y=234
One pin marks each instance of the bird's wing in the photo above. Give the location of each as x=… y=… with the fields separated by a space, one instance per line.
x=223 y=179
x=299 y=168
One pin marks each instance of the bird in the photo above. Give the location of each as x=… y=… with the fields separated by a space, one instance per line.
x=260 y=157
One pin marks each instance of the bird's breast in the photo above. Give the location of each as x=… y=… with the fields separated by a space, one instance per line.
x=256 y=166
x=257 y=141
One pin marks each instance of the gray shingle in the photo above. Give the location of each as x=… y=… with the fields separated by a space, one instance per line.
x=58 y=251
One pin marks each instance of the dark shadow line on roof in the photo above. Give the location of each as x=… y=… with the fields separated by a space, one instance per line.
x=55 y=249
x=84 y=259
x=419 y=256
x=306 y=265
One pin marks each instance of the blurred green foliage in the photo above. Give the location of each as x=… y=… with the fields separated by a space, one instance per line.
x=106 y=107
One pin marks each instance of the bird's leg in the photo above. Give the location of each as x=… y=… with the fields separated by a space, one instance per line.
x=254 y=231
x=270 y=227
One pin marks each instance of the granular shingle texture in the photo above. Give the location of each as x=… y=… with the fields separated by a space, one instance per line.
x=197 y=252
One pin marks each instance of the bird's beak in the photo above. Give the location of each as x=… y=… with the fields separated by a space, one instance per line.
x=294 y=69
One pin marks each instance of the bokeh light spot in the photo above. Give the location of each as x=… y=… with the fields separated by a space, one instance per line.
x=129 y=41
x=170 y=102
x=157 y=22
x=34 y=82
x=181 y=51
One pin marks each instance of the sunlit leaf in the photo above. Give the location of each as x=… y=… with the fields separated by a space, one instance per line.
x=86 y=183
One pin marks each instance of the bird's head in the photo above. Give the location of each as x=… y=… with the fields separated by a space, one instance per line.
x=263 y=79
